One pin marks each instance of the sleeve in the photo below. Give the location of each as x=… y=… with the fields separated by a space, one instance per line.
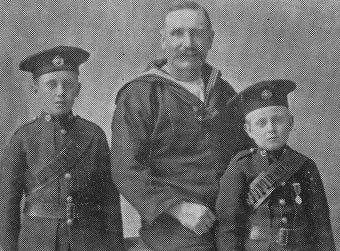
x=110 y=194
x=136 y=177
x=231 y=209
x=323 y=235
x=232 y=136
x=13 y=162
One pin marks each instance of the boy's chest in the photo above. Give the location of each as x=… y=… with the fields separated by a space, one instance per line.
x=288 y=204
x=283 y=183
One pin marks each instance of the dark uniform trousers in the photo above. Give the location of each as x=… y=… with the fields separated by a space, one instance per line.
x=62 y=167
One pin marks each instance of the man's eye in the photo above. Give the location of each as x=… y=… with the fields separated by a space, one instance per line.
x=199 y=33
x=67 y=84
x=176 y=32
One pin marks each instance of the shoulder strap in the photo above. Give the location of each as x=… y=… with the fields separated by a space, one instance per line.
x=242 y=154
x=278 y=172
x=63 y=161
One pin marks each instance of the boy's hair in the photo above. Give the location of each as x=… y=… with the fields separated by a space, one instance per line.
x=289 y=114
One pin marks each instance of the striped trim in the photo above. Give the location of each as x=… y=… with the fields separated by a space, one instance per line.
x=158 y=72
x=212 y=79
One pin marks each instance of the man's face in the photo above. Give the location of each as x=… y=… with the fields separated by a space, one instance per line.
x=269 y=126
x=57 y=91
x=186 y=39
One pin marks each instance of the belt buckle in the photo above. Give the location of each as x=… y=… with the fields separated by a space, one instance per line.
x=283 y=236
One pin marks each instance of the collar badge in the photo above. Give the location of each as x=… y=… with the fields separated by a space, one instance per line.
x=266 y=94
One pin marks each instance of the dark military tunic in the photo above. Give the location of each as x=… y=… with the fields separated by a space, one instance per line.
x=168 y=149
x=295 y=216
x=79 y=209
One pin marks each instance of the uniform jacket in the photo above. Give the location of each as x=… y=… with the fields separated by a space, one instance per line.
x=298 y=204
x=169 y=144
x=97 y=223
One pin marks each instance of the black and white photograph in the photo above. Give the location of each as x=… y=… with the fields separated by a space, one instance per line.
x=169 y=125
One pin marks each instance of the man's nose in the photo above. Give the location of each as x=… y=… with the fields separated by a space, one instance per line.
x=187 y=39
x=60 y=89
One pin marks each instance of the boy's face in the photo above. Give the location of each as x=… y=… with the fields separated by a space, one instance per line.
x=57 y=91
x=269 y=126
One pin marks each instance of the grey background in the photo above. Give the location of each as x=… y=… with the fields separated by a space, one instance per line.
x=295 y=39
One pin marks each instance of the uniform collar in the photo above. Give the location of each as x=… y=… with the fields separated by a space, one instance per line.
x=62 y=119
x=209 y=73
x=275 y=154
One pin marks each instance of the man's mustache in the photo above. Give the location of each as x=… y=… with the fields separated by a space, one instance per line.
x=189 y=52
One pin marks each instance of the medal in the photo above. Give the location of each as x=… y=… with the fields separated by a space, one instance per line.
x=297 y=190
x=298 y=200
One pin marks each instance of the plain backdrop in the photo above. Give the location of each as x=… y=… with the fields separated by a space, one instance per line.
x=295 y=39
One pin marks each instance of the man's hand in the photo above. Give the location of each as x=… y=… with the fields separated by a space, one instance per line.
x=196 y=217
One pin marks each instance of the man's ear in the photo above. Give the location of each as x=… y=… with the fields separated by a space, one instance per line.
x=247 y=129
x=34 y=86
x=211 y=38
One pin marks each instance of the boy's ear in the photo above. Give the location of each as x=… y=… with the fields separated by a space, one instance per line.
x=291 y=123
x=247 y=129
x=162 y=31
x=77 y=91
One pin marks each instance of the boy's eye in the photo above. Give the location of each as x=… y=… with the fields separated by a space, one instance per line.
x=52 y=84
x=279 y=119
x=67 y=84
x=261 y=122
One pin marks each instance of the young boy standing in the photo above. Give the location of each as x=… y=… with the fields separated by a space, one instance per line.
x=271 y=197
x=60 y=163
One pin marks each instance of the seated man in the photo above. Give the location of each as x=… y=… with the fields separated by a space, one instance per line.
x=173 y=135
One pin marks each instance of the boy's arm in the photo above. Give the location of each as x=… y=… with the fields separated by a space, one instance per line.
x=231 y=209
x=12 y=168
x=323 y=235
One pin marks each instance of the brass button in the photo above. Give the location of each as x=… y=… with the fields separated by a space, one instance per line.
x=199 y=117
x=69 y=199
x=284 y=220
x=48 y=117
x=67 y=176
x=63 y=131
x=263 y=153
x=69 y=222
x=282 y=202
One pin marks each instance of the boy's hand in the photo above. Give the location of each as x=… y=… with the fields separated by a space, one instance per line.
x=196 y=217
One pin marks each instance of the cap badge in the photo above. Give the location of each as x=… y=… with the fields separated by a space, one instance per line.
x=58 y=61
x=266 y=94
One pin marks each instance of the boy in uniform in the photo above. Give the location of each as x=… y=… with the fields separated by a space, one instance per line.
x=60 y=163
x=271 y=197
